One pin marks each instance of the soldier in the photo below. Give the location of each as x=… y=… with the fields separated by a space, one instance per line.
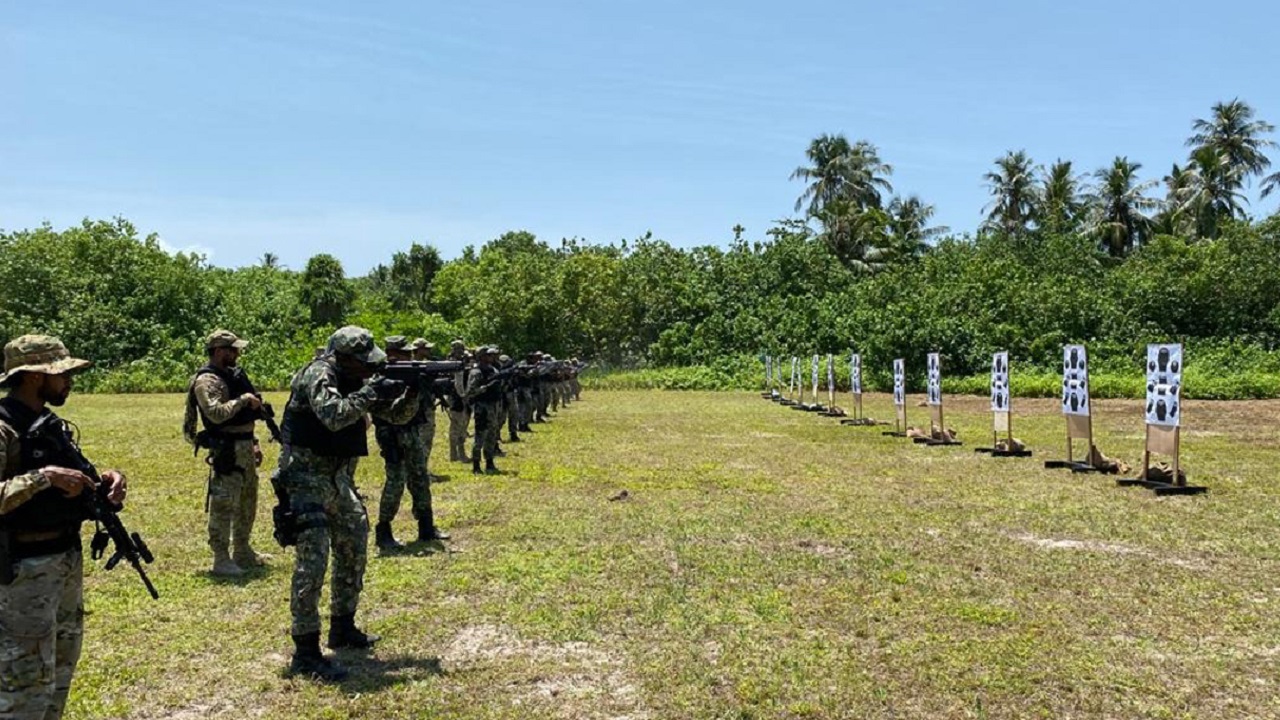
x=459 y=413
x=510 y=401
x=41 y=573
x=405 y=459
x=526 y=382
x=324 y=428
x=424 y=350
x=223 y=397
x=484 y=394
x=575 y=387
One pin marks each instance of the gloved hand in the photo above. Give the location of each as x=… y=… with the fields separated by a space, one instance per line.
x=386 y=388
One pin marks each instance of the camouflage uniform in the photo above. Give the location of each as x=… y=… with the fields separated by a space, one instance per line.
x=322 y=488
x=459 y=412
x=42 y=608
x=233 y=488
x=484 y=400
x=423 y=350
x=404 y=455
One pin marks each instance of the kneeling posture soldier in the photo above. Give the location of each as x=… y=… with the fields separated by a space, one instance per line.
x=41 y=508
x=405 y=458
x=324 y=429
x=224 y=398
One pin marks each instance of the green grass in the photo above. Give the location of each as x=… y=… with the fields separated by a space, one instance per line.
x=767 y=564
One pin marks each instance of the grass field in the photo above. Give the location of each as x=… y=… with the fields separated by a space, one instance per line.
x=766 y=564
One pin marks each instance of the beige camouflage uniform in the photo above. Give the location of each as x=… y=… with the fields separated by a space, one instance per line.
x=233 y=496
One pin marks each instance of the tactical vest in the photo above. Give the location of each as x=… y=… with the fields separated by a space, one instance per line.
x=493 y=394
x=302 y=428
x=45 y=440
x=237 y=384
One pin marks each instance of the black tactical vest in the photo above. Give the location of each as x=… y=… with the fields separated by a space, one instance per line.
x=302 y=428
x=46 y=440
x=237 y=384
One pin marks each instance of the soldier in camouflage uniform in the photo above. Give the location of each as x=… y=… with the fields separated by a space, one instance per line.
x=423 y=350
x=406 y=464
x=324 y=428
x=41 y=571
x=459 y=413
x=228 y=405
x=484 y=395
x=510 y=402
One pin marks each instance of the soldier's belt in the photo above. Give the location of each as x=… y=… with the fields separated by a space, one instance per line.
x=30 y=544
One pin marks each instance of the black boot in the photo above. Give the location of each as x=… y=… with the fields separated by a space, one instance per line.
x=489 y=467
x=343 y=633
x=475 y=464
x=310 y=663
x=525 y=428
x=513 y=438
x=499 y=452
x=383 y=538
x=427 y=530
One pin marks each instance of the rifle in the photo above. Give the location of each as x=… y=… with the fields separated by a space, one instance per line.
x=433 y=376
x=105 y=515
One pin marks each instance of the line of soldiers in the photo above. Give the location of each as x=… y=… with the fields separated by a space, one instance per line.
x=323 y=433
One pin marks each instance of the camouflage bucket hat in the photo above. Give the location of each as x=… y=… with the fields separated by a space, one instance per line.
x=396 y=342
x=39 y=354
x=358 y=343
x=423 y=344
x=224 y=338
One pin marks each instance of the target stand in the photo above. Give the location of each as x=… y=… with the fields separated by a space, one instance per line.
x=859 y=419
x=900 y=423
x=1002 y=423
x=1079 y=427
x=1163 y=441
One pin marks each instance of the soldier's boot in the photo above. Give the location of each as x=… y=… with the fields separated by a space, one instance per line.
x=513 y=437
x=525 y=428
x=224 y=566
x=383 y=538
x=453 y=451
x=343 y=633
x=247 y=557
x=489 y=467
x=498 y=451
x=309 y=662
x=462 y=451
x=427 y=530
x=475 y=465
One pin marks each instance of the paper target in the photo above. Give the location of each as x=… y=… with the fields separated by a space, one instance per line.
x=1000 y=382
x=768 y=371
x=1075 y=380
x=795 y=365
x=855 y=373
x=815 y=378
x=935 y=379
x=1164 y=385
x=899 y=383
x=831 y=374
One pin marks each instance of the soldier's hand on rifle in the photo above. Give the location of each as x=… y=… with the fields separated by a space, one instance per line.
x=70 y=482
x=253 y=401
x=386 y=388
x=117 y=486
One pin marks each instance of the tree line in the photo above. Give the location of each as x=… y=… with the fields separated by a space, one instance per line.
x=1060 y=257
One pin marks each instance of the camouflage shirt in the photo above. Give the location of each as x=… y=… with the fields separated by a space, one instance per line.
x=316 y=386
x=15 y=489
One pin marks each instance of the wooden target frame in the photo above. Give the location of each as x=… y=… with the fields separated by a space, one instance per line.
x=858 y=418
x=1164 y=432
x=1077 y=408
x=937 y=425
x=832 y=410
x=1002 y=409
x=767 y=394
x=899 y=399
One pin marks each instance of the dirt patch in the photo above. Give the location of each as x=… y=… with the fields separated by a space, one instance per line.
x=1103 y=547
x=573 y=679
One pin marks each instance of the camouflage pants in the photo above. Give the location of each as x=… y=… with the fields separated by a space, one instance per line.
x=41 y=621
x=233 y=502
x=406 y=465
x=428 y=432
x=525 y=403
x=487 y=429
x=323 y=488
x=458 y=420
x=575 y=387
x=513 y=413
x=542 y=398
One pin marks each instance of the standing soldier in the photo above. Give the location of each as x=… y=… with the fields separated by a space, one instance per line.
x=424 y=350
x=484 y=394
x=511 y=401
x=41 y=568
x=223 y=397
x=459 y=413
x=324 y=427
x=405 y=461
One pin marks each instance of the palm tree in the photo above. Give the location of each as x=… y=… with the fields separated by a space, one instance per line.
x=1214 y=190
x=1234 y=133
x=270 y=261
x=1118 y=203
x=909 y=226
x=1178 y=217
x=1269 y=183
x=1060 y=198
x=840 y=171
x=857 y=237
x=1015 y=195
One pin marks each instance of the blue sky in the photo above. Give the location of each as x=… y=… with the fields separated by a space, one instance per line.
x=358 y=128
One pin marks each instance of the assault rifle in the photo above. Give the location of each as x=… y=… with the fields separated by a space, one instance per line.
x=105 y=515
x=423 y=374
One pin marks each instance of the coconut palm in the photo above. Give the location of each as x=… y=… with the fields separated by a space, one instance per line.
x=270 y=261
x=858 y=237
x=1118 y=203
x=1177 y=216
x=1060 y=197
x=909 y=226
x=1214 y=190
x=1013 y=187
x=1269 y=183
x=840 y=171
x=1234 y=133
